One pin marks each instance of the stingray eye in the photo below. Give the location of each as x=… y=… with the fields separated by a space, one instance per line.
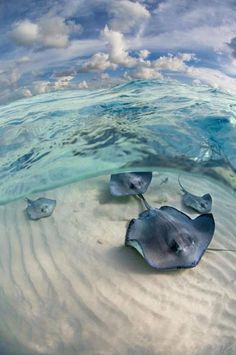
x=132 y=186
x=44 y=209
x=203 y=205
x=174 y=246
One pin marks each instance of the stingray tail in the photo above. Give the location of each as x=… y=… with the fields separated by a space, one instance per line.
x=28 y=200
x=146 y=204
x=219 y=249
x=181 y=186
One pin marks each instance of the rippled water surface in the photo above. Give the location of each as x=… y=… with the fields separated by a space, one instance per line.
x=56 y=138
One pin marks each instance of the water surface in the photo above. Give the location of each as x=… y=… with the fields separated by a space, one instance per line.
x=56 y=138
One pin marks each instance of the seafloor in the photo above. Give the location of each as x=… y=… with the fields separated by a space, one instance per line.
x=69 y=286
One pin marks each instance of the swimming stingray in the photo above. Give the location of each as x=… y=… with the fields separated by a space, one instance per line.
x=201 y=204
x=40 y=208
x=125 y=184
x=168 y=239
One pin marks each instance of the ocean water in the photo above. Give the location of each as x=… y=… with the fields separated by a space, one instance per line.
x=53 y=139
x=68 y=285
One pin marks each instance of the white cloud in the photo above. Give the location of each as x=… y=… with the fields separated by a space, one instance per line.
x=40 y=87
x=184 y=24
x=98 y=62
x=212 y=77
x=83 y=85
x=199 y=38
x=147 y=69
x=117 y=48
x=146 y=73
x=63 y=82
x=53 y=32
x=126 y=15
x=48 y=31
x=143 y=53
x=173 y=63
x=26 y=92
x=185 y=14
x=117 y=54
x=25 y=33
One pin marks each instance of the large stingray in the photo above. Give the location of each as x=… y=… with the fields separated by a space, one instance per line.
x=168 y=239
x=125 y=184
x=201 y=204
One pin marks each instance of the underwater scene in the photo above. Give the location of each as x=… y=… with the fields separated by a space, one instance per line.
x=68 y=283
x=117 y=177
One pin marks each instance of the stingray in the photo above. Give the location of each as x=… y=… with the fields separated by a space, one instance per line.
x=125 y=184
x=169 y=239
x=40 y=208
x=201 y=204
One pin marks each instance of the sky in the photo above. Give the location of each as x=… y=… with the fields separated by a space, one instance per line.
x=50 y=45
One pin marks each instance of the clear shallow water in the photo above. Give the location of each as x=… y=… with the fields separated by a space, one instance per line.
x=64 y=280
x=53 y=139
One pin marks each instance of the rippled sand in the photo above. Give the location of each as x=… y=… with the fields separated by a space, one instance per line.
x=69 y=286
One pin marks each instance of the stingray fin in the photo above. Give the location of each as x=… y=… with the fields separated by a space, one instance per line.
x=205 y=224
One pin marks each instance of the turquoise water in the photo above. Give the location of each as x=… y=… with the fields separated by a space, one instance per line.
x=53 y=139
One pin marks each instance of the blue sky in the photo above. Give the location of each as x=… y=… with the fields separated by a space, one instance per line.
x=73 y=44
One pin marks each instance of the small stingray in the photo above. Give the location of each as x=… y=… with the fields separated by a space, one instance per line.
x=164 y=181
x=168 y=239
x=201 y=204
x=40 y=208
x=125 y=184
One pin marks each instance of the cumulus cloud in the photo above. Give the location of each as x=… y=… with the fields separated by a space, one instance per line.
x=141 y=68
x=126 y=15
x=173 y=63
x=25 y=33
x=63 y=82
x=117 y=48
x=146 y=69
x=53 y=32
x=40 y=87
x=146 y=73
x=143 y=53
x=117 y=53
x=83 y=85
x=48 y=31
x=98 y=62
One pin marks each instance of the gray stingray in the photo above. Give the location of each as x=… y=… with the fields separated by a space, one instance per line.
x=201 y=204
x=168 y=239
x=40 y=208
x=125 y=184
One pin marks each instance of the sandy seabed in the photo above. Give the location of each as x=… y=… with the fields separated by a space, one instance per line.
x=69 y=286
